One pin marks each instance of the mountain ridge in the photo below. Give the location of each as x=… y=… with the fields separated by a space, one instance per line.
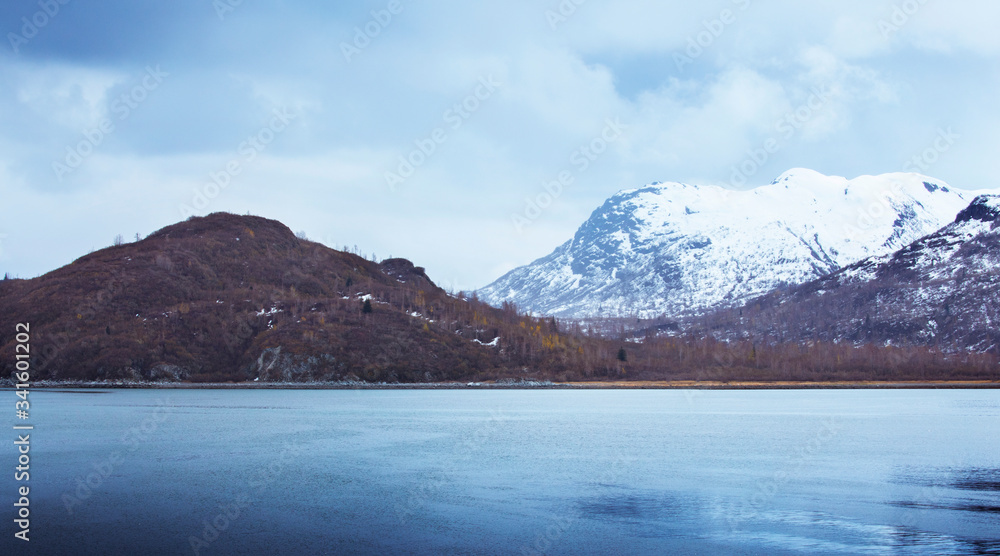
x=679 y=249
x=942 y=290
x=240 y=299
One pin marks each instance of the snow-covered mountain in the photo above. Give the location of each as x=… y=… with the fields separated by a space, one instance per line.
x=942 y=290
x=677 y=249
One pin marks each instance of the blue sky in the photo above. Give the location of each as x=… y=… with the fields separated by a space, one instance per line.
x=121 y=117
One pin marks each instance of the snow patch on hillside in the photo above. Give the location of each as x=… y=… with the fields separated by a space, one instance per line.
x=675 y=248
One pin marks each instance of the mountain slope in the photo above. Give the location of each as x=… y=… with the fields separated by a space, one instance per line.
x=240 y=298
x=942 y=290
x=229 y=298
x=676 y=249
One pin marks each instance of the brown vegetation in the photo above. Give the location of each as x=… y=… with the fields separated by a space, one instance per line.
x=238 y=298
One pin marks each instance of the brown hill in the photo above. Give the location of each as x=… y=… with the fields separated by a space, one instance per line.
x=240 y=298
x=228 y=297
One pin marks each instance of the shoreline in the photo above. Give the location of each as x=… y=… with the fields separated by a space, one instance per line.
x=596 y=385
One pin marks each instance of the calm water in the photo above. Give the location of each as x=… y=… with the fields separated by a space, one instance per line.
x=511 y=472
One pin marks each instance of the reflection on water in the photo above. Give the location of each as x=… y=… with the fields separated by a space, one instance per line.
x=632 y=506
x=813 y=532
x=978 y=479
x=963 y=478
x=953 y=506
x=954 y=489
x=484 y=472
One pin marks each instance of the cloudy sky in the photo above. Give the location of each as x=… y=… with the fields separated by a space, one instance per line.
x=423 y=129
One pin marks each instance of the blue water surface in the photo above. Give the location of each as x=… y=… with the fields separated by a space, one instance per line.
x=509 y=472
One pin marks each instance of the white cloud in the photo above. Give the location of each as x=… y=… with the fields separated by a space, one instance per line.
x=608 y=60
x=948 y=27
x=69 y=96
x=699 y=126
x=857 y=36
x=560 y=90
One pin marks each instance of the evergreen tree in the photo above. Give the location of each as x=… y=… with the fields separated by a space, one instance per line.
x=367 y=307
x=622 y=356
